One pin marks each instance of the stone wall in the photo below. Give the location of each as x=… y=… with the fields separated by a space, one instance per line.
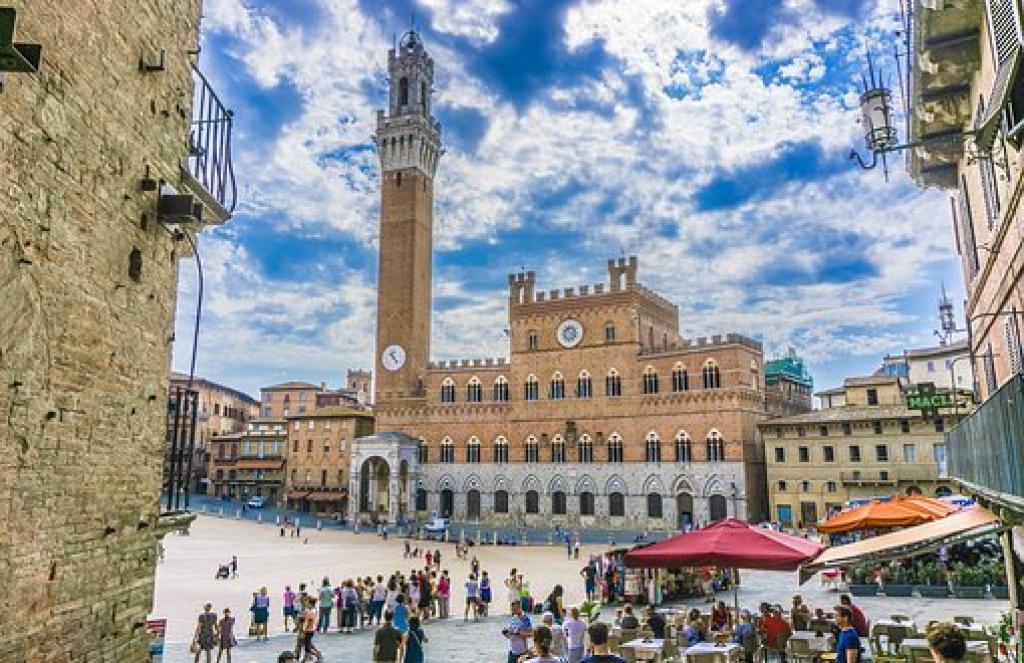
x=84 y=344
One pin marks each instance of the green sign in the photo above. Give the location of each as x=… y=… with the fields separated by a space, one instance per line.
x=926 y=399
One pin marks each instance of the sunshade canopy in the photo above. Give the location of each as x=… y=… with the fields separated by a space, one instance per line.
x=731 y=544
x=967 y=524
x=897 y=512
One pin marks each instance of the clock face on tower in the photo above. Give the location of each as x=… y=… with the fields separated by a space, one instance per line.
x=393 y=357
x=569 y=333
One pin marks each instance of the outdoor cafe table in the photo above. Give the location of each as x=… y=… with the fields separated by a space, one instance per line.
x=917 y=649
x=815 y=642
x=710 y=652
x=653 y=646
x=892 y=623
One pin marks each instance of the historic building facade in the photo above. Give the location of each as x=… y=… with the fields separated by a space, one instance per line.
x=603 y=413
x=250 y=463
x=863 y=443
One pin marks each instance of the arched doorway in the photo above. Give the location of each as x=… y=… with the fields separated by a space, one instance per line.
x=473 y=504
x=374 y=486
x=718 y=508
x=684 y=510
x=447 y=503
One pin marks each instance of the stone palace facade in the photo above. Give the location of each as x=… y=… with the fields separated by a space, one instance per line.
x=602 y=415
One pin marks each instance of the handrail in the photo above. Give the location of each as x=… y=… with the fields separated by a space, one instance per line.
x=209 y=144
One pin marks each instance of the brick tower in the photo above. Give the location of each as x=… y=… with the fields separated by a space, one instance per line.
x=409 y=145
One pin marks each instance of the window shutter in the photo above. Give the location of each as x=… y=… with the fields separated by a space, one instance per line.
x=1012 y=333
x=967 y=221
x=1004 y=28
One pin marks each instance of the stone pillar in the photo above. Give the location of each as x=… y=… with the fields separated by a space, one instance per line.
x=393 y=497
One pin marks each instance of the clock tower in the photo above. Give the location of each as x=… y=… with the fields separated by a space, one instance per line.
x=408 y=143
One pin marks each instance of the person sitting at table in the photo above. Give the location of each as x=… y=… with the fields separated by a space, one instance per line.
x=629 y=620
x=947 y=643
x=692 y=630
x=656 y=622
x=848 y=642
x=745 y=635
x=860 y=622
x=799 y=614
x=775 y=632
x=720 y=617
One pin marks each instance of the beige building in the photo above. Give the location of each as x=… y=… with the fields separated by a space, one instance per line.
x=250 y=463
x=221 y=410
x=863 y=443
x=317 y=457
x=967 y=78
x=602 y=414
x=941 y=365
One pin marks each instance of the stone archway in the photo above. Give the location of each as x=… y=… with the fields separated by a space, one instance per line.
x=375 y=487
x=684 y=510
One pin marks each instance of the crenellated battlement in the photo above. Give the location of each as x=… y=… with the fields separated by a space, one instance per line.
x=702 y=343
x=468 y=364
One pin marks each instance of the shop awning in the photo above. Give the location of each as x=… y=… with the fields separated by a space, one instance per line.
x=326 y=496
x=897 y=512
x=967 y=524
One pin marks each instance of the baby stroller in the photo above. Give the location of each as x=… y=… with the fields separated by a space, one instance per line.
x=223 y=572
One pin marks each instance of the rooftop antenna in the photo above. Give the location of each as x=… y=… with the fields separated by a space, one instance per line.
x=947 y=320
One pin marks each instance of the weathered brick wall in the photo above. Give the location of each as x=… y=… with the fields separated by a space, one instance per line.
x=85 y=348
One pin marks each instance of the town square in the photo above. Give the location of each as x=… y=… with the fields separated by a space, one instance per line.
x=586 y=331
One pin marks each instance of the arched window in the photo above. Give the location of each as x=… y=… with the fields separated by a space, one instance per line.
x=423 y=96
x=684 y=448
x=755 y=375
x=530 y=388
x=447 y=450
x=532 y=340
x=712 y=377
x=654 y=506
x=501 y=501
x=650 y=380
x=558 y=503
x=653 y=448
x=501 y=389
x=473 y=504
x=500 y=450
x=680 y=379
x=614 y=448
x=716 y=446
x=448 y=391
x=609 y=332
x=532 y=501
x=616 y=504
x=421 y=499
x=532 y=450
x=586 y=504
x=403 y=91
x=613 y=384
x=557 y=390
x=473 y=450
x=586 y=449
x=474 y=391
x=557 y=449
x=423 y=451
x=584 y=387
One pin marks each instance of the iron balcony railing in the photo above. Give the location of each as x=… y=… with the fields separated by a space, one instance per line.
x=986 y=450
x=209 y=146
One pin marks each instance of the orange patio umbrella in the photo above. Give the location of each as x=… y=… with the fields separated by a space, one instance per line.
x=901 y=511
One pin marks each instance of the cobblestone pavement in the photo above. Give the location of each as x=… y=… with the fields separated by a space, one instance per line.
x=185 y=580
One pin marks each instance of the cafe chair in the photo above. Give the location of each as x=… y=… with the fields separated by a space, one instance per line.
x=799 y=651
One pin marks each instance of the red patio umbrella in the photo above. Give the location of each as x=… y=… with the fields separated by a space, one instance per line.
x=728 y=544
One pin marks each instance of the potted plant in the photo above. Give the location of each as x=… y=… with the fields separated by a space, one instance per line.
x=862 y=581
x=996 y=573
x=896 y=581
x=930 y=580
x=968 y=581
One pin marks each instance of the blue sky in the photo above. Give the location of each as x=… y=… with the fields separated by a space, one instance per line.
x=707 y=137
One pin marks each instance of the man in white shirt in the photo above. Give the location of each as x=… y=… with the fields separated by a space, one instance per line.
x=575 y=631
